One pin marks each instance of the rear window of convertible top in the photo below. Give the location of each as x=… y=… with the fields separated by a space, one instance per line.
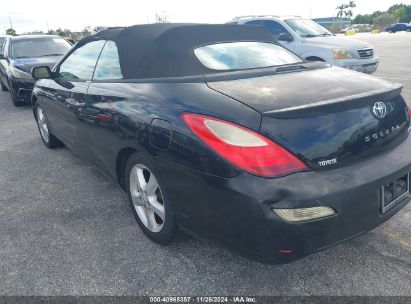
x=244 y=55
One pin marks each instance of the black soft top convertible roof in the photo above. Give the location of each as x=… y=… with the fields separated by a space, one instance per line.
x=167 y=49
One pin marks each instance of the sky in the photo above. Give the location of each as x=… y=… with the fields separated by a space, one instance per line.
x=29 y=15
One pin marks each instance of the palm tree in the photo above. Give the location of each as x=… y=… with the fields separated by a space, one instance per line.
x=348 y=13
x=352 y=4
x=341 y=10
x=345 y=9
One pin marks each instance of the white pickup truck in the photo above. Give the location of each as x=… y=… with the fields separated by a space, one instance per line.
x=311 y=41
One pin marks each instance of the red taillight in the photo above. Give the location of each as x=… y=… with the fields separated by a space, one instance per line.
x=409 y=112
x=242 y=147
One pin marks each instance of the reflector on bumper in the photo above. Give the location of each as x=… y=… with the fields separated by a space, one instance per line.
x=304 y=214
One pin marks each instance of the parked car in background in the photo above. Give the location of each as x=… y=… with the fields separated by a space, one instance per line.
x=398 y=27
x=20 y=55
x=348 y=29
x=222 y=132
x=362 y=28
x=313 y=42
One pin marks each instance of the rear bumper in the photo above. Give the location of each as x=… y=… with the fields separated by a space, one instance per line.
x=368 y=66
x=237 y=212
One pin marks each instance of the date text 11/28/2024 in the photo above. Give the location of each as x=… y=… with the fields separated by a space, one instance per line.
x=204 y=299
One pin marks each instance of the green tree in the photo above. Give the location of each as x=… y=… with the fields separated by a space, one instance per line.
x=401 y=11
x=362 y=19
x=346 y=9
x=348 y=12
x=396 y=13
x=376 y=14
x=341 y=10
x=11 y=31
x=384 y=20
x=86 y=31
x=63 y=32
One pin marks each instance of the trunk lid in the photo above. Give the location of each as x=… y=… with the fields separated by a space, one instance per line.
x=327 y=117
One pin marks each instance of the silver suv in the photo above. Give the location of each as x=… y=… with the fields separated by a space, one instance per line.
x=311 y=41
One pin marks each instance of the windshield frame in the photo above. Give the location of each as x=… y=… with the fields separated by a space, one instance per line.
x=12 y=45
x=250 y=68
x=325 y=32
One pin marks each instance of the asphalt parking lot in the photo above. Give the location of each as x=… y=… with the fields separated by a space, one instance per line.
x=66 y=229
x=395 y=58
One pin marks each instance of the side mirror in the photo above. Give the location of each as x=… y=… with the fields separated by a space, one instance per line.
x=41 y=72
x=2 y=56
x=285 y=37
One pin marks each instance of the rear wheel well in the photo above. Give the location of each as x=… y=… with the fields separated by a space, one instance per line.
x=121 y=163
x=314 y=58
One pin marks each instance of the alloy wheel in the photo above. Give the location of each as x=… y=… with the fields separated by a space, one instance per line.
x=147 y=198
x=41 y=121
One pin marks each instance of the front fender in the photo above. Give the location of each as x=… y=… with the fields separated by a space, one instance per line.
x=320 y=52
x=35 y=96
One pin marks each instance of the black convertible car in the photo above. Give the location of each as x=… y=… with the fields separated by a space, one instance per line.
x=221 y=132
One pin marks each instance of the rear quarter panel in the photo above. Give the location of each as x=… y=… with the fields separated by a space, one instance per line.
x=119 y=115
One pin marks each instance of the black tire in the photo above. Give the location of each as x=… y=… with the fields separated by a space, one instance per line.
x=169 y=227
x=3 y=88
x=51 y=142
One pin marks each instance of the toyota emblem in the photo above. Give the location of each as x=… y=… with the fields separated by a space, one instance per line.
x=379 y=110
